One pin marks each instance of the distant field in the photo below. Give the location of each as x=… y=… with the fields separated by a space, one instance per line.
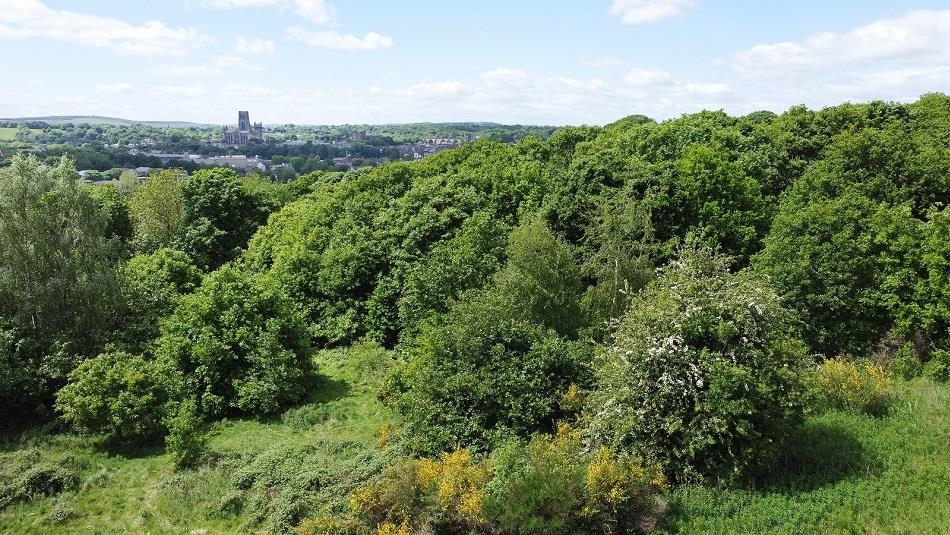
x=7 y=134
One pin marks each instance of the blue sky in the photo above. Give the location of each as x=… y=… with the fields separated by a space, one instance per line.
x=543 y=62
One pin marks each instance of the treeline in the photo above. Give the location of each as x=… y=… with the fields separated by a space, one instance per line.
x=645 y=302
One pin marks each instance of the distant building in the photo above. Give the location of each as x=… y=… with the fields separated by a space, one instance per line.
x=244 y=133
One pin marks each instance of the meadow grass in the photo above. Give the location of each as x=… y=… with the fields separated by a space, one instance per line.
x=842 y=473
x=140 y=492
x=9 y=133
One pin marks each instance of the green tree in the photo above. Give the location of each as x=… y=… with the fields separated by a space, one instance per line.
x=220 y=212
x=705 y=374
x=156 y=210
x=240 y=344
x=152 y=285
x=57 y=288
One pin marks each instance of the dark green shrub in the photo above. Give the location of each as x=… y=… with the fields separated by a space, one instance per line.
x=938 y=367
x=905 y=363
x=26 y=474
x=187 y=438
x=240 y=345
x=704 y=376
x=120 y=395
x=151 y=286
x=483 y=373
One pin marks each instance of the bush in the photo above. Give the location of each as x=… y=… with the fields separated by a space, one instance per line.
x=705 y=376
x=938 y=367
x=444 y=495
x=151 y=286
x=554 y=486
x=25 y=475
x=120 y=395
x=281 y=486
x=483 y=374
x=853 y=386
x=187 y=437
x=905 y=363
x=240 y=344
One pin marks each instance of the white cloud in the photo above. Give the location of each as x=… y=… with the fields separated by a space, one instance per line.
x=648 y=77
x=917 y=35
x=706 y=90
x=644 y=11
x=249 y=90
x=254 y=46
x=448 y=89
x=182 y=90
x=316 y=11
x=604 y=61
x=219 y=66
x=330 y=39
x=31 y=18
x=119 y=87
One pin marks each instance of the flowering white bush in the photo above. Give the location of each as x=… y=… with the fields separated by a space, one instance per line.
x=705 y=373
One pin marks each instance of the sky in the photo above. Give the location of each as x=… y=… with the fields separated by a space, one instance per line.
x=551 y=62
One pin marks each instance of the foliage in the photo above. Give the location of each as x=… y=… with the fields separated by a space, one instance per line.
x=620 y=264
x=156 y=210
x=26 y=475
x=240 y=344
x=220 y=212
x=187 y=437
x=120 y=395
x=151 y=285
x=283 y=485
x=553 y=485
x=704 y=376
x=938 y=367
x=114 y=210
x=541 y=282
x=861 y=387
x=466 y=260
x=444 y=495
x=905 y=363
x=859 y=242
x=483 y=373
x=56 y=283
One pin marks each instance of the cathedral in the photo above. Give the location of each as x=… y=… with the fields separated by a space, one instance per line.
x=245 y=131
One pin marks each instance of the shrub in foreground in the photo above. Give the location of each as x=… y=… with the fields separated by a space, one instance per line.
x=120 y=395
x=552 y=485
x=240 y=345
x=25 y=475
x=705 y=376
x=483 y=374
x=853 y=386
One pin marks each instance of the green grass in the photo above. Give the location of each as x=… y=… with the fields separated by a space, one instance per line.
x=139 y=492
x=9 y=133
x=843 y=473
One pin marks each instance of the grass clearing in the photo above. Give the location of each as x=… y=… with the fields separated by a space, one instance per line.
x=9 y=133
x=844 y=473
x=140 y=492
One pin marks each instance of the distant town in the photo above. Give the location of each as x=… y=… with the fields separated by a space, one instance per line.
x=104 y=148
